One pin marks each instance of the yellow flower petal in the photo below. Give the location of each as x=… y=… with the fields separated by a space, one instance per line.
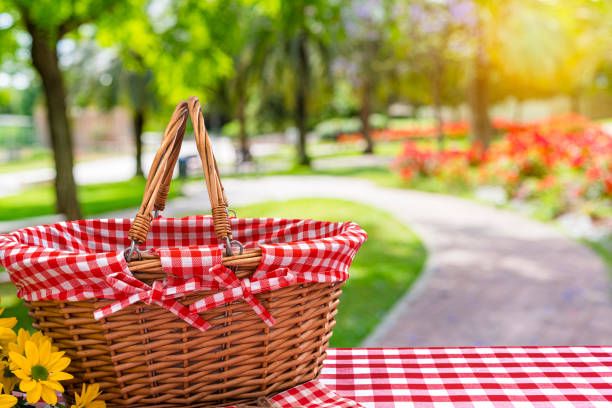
x=27 y=385
x=79 y=398
x=59 y=365
x=7 y=334
x=89 y=393
x=33 y=396
x=53 y=385
x=31 y=352
x=20 y=361
x=44 y=352
x=22 y=374
x=49 y=395
x=60 y=376
x=8 y=401
x=8 y=322
x=95 y=389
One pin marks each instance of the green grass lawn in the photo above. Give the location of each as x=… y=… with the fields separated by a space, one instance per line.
x=94 y=198
x=39 y=158
x=384 y=268
x=35 y=159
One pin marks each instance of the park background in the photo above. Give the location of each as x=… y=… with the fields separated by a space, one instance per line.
x=376 y=111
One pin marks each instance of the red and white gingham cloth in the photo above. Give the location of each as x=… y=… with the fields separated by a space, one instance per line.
x=312 y=394
x=82 y=260
x=483 y=377
x=245 y=289
x=465 y=377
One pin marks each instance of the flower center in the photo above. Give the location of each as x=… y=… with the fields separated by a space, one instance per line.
x=39 y=373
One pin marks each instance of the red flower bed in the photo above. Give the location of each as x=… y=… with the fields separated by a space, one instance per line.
x=567 y=153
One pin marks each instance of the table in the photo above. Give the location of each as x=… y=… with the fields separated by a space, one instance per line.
x=483 y=377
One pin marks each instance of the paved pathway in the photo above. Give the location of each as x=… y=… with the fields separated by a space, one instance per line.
x=493 y=277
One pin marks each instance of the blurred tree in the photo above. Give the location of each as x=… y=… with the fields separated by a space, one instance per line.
x=535 y=49
x=525 y=37
x=435 y=41
x=566 y=44
x=47 y=22
x=167 y=51
x=111 y=77
x=184 y=44
x=248 y=47
x=304 y=35
x=584 y=37
x=482 y=130
x=142 y=97
x=366 y=54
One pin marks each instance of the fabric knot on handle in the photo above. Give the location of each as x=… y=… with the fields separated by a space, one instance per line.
x=244 y=289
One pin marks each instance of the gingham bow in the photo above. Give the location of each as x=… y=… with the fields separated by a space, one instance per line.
x=160 y=295
x=245 y=289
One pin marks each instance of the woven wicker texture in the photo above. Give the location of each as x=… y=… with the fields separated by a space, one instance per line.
x=144 y=356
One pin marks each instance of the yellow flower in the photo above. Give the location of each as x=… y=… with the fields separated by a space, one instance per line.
x=23 y=336
x=40 y=371
x=87 y=397
x=7 y=401
x=8 y=380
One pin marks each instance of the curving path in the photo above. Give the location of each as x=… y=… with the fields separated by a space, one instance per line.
x=493 y=277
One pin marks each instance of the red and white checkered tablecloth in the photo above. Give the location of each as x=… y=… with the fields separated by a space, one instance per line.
x=483 y=377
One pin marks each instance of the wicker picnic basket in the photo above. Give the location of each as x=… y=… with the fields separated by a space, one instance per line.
x=145 y=356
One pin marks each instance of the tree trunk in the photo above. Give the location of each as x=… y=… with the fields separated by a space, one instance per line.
x=439 y=125
x=138 y=121
x=575 y=101
x=245 y=152
x=436 y=91
x=518 y=111
x=45 y=61
x=437 y=105
x=301 y=99
x=364 y=114
x=457 y=113
x=481 y=125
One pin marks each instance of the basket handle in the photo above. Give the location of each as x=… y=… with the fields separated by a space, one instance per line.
x=162 y=169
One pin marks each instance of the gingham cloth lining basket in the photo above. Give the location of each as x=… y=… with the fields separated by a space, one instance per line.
x=183 y=322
